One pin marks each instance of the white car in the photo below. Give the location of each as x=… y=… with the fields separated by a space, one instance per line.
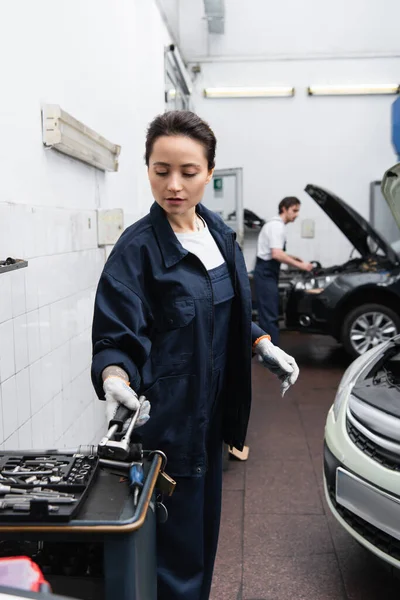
x=362 y=439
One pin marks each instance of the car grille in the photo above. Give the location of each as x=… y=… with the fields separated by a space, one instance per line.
x=383 y=457
x=385 y=542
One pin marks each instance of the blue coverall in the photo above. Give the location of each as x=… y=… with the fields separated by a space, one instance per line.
x=178 y=330
x=266 y=283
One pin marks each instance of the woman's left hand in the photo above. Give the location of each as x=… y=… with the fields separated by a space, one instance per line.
x=278 y=362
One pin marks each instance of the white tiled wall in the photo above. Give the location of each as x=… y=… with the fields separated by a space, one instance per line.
x=46 y=397
x=48 y=201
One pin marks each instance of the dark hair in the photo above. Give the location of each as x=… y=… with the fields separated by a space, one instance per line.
x=182 y=122
x=288 y=202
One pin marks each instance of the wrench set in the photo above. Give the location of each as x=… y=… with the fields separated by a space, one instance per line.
x=46 y=487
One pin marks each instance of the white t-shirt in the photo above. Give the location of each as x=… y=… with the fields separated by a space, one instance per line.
x=202 y=244
x=272 y=235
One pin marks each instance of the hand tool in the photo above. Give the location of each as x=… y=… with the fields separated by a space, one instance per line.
x=13 y=506
x=32 y=479
x=108 y=448
x=28 y=473
x=19 y=507
x=20 y=500
x=25 y=507
x=49 y=463
x=50 y=492
x=6 y=489
x=10 y=501
x=3 y=479
x=136 y=480
x=53 y=499
x=118 y=450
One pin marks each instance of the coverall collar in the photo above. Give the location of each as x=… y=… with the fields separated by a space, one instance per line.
x=171 y=249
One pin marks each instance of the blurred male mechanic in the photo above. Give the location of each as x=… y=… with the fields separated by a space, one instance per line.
x=271 y=252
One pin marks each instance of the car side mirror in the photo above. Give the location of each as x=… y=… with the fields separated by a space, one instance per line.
x=391 y=191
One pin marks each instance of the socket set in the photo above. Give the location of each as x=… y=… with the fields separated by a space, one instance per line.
x=50 y=487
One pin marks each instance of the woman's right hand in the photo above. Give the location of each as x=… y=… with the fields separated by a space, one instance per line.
x=117 y=391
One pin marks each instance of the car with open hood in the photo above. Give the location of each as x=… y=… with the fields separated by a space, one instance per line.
x=357 y=302
x=362 y=438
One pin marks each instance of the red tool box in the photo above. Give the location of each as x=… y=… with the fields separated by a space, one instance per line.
x=22 y=573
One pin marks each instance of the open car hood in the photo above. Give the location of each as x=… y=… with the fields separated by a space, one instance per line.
x=391 y=191
x=357 y=230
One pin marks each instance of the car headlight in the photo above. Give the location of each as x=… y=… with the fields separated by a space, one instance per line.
x=350 y=376
x=315 y=285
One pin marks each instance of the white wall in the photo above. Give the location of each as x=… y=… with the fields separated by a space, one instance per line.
x=103 y=62
x=170 y=10
x=282 y=144
x=289 y=27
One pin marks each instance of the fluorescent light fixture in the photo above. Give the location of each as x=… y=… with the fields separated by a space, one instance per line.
x=354 y=90
x=64 y=133
x=248 y=92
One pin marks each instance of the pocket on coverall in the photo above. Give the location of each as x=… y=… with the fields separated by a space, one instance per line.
x=171 y=416
x=174 y=333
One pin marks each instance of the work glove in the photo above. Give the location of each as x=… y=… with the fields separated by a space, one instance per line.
x=278 y=362
x=117 y=391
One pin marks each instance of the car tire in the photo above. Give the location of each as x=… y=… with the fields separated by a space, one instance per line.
x=365 y=314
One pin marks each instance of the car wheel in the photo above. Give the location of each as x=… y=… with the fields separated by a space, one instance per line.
x=367 y=326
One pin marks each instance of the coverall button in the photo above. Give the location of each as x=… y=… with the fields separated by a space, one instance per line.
x=198 y=469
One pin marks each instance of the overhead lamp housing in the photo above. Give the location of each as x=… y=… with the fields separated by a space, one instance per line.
x=249 y=92
x=354 y=90
x=64 y=133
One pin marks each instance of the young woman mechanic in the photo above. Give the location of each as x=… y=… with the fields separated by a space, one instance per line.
x=172 y=322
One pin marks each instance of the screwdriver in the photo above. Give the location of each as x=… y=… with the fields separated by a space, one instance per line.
x=136 y=480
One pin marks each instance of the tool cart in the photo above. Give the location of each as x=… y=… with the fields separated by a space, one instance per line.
x=87 y=515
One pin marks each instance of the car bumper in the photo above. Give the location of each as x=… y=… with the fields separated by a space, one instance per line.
x=308 y=312
x=367 y=519
x=368 y=536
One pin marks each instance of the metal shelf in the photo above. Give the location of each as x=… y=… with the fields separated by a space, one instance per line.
x=18 y=264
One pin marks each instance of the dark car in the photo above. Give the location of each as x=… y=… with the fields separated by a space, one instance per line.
x=357 y=302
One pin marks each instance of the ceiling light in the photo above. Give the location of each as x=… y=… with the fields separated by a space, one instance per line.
x=64 y=133
x=353 y=90
x=248 y=92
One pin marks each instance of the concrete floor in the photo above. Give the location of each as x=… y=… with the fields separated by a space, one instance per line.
x=278 y=539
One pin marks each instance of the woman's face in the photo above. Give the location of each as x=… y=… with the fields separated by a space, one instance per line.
x=178 y=173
